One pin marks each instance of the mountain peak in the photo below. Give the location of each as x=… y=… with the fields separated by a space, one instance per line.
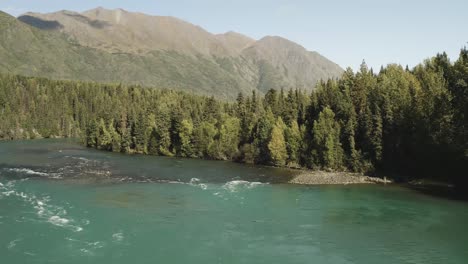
x=298 y=67
x=109 y=15
x=96 y=9
x=121 y=46
x=234 y=41
x=233 y=33
x=277 y=40
x=273 y=38
x=117 y=30
x=102 y=9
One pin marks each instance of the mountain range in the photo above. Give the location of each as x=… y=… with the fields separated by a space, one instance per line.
x=118 y=46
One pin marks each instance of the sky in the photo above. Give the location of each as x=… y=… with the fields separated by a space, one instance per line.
x=346 y=32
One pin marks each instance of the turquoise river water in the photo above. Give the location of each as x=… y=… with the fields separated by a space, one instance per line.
x=63 y=203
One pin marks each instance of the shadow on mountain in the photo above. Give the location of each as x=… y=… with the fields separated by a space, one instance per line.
x=39 y=23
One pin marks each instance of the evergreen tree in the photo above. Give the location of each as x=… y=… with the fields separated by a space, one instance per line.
x=271 y=100
x=293 y=143
x=376 y=137
x=116 y=140
x=163 y=132
x=262 y=137
x=153 y=145
x=328 y=152
x=204 y=140
x=229 y=137
x=277 y=144
x=92 y=134
x=185 y=136
x=140 y=130
x=352 y=154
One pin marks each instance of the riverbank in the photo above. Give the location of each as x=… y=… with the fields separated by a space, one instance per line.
x=327 y=178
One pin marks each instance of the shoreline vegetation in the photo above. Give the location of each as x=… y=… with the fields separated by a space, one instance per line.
x=407 y=124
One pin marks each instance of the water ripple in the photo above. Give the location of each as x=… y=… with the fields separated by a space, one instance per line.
x=53 y=214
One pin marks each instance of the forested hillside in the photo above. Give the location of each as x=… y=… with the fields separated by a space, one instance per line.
x=117 y=46
x=399 y=122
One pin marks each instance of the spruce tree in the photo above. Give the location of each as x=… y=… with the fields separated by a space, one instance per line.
x=293 y=143
x=277 y=144
x=185 y=137
x=328 y=152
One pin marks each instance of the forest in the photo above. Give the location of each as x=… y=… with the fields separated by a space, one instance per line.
x=400 y=122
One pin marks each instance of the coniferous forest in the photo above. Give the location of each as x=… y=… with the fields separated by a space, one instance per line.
x=397 y=122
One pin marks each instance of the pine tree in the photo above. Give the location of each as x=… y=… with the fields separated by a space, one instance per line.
x=229 y=137
x=153 y=145
x=376 y=137
x=277 y=144
x=271 y=100
x=327 y=147
x=293 y=143
x=92 y=134
x=163 y=132
x=262 y=137
x=185 y=135
x=104 y=137
x=140 y=129
x=204 y=139
x=115 y=138
x=353 y=155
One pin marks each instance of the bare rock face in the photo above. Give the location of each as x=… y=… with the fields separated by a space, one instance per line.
x=168 y=52
x=121 y=31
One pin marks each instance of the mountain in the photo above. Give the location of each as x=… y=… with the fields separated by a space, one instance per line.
x=283 y=63
x=234 y=41
x=119 y=46
x=122 y=31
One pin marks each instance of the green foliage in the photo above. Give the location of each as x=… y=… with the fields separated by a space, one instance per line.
x=104 y=138
x=294 y=139
x=185 y=135
x=262 y=137
x=277 y=144
x=327 y=152
x=398 y=122
x=204 y=140
x=153 y=146
x=229 y=137
x=140 y=133
x=92 y=134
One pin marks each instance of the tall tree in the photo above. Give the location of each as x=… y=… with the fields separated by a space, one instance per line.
x=277 y=144
x=185 y=135
x=293 y=139
x=327 y=152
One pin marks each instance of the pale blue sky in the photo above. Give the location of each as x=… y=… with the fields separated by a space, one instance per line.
x=346 y=32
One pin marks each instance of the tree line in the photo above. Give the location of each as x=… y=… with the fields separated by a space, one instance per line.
x=401 y=122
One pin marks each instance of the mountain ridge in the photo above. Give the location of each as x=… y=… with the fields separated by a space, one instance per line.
x=164 y=52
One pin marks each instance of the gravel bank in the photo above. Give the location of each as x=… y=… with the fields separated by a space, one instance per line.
x=323 y=177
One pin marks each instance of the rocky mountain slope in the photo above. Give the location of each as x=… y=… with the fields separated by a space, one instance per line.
x=120 y=46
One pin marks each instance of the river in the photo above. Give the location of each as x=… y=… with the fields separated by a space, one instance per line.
x=63 y=203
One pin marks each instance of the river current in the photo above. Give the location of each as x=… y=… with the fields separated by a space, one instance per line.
x=63 y=203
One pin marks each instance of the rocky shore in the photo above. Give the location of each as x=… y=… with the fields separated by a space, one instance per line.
x=323 y=177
